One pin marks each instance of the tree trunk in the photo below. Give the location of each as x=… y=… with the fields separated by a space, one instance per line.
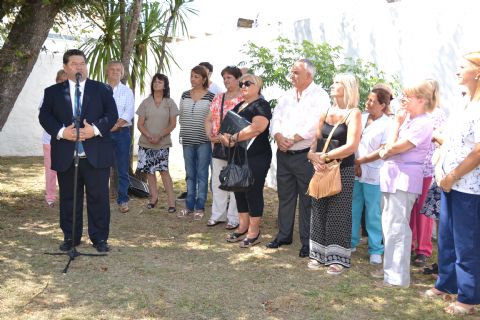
x=127 y=40
x=20 y=51
x=173 y=13
x=131 y=32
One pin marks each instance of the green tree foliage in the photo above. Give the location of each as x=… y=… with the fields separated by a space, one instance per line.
x=274 y=65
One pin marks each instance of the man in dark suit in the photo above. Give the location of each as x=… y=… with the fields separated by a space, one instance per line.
x=98 y=114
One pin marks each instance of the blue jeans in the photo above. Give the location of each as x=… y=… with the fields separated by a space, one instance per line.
x=458 y=243
x=367 y=196
x=197 y=159
x=122 y=161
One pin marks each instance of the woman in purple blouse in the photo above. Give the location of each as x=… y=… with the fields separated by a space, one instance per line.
x=401 y=180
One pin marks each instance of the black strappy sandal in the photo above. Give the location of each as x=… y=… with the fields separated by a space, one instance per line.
x=250 y=242
x=236 y=236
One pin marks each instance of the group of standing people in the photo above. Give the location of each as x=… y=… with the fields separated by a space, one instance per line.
x=395 y=168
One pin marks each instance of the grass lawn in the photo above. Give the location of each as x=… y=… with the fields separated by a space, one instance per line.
x=163 y=267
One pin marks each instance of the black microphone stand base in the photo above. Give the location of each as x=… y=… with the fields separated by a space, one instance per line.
x=72 y=254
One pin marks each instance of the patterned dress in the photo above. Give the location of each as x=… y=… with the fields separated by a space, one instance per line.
x=331 y=219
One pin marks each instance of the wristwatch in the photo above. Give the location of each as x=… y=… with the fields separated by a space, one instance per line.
x=327 y=159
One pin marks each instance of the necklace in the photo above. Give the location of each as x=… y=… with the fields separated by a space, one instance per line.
x=243 y=106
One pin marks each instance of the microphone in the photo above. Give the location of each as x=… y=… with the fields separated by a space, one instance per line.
x=78 y=76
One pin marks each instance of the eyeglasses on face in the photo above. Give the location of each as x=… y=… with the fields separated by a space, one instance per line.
x=247 y=83
x=406 y=99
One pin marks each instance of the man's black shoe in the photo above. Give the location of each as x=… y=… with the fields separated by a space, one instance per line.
x=67 y=244
x=276 y=244
x=182 y=196
x=101 y=246
x=304 y=252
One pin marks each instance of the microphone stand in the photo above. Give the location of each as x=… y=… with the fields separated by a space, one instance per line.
x=73 y=253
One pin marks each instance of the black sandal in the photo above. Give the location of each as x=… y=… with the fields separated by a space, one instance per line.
x=151 y=205
x=433 y=269
x=236 y=236
x=172 y=210
x=250 y=242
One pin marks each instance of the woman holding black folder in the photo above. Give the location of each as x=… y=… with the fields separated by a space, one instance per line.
x=250 y=203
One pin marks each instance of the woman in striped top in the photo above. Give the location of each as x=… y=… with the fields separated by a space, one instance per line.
x=197 y=151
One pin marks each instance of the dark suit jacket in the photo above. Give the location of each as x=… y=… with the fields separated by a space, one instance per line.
x=98 y=108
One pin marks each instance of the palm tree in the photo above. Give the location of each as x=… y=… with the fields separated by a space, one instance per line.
x=158 y=20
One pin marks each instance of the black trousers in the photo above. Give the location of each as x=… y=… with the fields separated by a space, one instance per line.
x=293 y=176
x=95 y=182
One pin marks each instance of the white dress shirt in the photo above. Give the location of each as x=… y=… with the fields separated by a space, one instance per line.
x=292 y=116
x=125 y=102
x=72 y=85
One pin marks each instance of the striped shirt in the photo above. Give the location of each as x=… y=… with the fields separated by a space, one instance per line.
x=192 y=118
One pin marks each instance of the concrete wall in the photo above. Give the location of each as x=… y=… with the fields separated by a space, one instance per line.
x=415 y=39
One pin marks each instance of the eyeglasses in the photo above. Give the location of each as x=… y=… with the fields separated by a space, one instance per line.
x=406 y=99
x=247 y=83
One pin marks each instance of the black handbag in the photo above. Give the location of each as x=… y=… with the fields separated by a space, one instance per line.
x=138 y=188
x=236 y=177
x=219 y=150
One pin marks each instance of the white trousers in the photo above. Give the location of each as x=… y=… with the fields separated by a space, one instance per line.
x=397 y=236
x=224 y=206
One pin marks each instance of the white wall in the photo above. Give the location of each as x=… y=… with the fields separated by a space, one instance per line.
x=415 y=39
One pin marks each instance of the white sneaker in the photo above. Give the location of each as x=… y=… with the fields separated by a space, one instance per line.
x=353 y=249
x=375 y=259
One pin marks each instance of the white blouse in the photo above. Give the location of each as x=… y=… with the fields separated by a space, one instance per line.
x=463 y=133
x=373 y=136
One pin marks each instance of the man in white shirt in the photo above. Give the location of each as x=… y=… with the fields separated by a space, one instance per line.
x=293 y=127
x=125 y=102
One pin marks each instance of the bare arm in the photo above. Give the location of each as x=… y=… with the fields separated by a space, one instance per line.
x=259 y=124
x=471 y=161
x=172 y=124
x=398 y=147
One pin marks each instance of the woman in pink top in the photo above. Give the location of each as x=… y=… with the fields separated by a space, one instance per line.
x=421 y=224
x=224 y=206
x=401 y=179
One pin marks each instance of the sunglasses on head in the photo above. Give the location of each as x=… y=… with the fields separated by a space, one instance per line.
x=247 y=83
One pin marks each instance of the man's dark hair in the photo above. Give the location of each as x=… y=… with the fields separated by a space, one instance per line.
x=166 y=84
x=207 y=65
x=233 y=70
x=73 y=52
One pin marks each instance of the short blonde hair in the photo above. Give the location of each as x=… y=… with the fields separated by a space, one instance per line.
x=474 y=58
x=422 y=90
x=351 y=95
x=255 y=79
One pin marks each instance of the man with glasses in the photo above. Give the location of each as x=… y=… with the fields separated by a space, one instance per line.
x=293 y=127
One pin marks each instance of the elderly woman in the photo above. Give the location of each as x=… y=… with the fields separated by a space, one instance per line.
x=459 y=229
x=250 y=203
x=421 y=224
x=197 y=150
x=157 y=117
x=224 y=206
x=331 y=219
x=366 y=191
x=401 y=180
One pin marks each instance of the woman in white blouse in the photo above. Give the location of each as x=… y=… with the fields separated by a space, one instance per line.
x=366 y=191
x=458 y=174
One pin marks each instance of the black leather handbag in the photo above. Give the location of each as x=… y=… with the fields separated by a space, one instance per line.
x=236 y=177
